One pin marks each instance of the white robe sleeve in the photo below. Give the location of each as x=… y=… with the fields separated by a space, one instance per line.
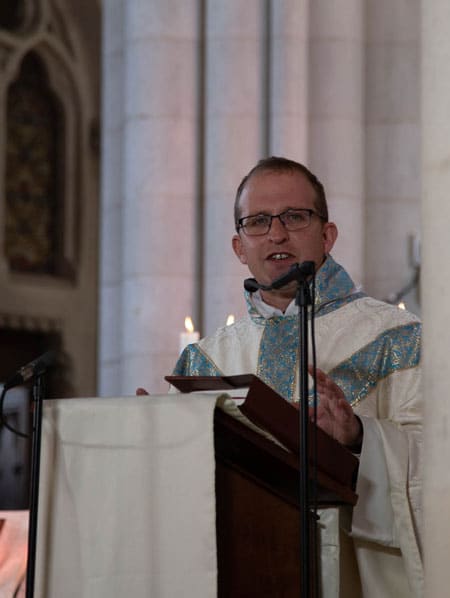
x=388 y=511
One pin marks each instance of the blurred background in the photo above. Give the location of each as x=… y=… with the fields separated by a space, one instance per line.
x=127 y=126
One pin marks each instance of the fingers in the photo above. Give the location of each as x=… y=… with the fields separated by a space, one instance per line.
x=334 y=414
x=326 y=387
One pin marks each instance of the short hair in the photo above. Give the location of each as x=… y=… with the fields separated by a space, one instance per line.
x=278 y=164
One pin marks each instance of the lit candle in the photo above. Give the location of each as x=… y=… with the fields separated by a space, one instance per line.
x=230 y=320
x=401 y=305
x=190 y=336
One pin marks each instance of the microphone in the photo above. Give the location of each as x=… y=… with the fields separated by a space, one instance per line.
x=251 y=285
x=31 y=370
x=299 y=272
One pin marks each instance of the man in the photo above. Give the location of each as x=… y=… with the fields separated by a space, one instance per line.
x=368 y=353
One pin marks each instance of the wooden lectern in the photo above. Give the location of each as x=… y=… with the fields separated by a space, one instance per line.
x=257 y=482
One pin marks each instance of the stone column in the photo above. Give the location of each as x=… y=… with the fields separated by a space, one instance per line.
x=336 y=147
x=158 y=191
x=392 y=144
x=287 y=73
x=110 y=271
x=436 y=290
x=234 y=141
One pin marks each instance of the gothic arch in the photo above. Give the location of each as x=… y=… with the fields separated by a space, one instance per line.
x=64 y=39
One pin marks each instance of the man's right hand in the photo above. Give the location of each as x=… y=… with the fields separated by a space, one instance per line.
x=334 y=414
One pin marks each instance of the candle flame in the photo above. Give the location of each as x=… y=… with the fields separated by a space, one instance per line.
x=401 y=305
x=188 y=324
x=230 y=320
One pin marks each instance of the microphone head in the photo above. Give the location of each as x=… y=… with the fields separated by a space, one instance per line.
x=307 y=268
x=251 y=285
x=35 y=368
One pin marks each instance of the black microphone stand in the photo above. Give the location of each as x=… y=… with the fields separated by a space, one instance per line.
x=301 y=273
x=302 y=300
x=38 y=396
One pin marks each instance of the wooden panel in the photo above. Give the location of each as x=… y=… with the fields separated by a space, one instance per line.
x=258 y=540
x=258 y=518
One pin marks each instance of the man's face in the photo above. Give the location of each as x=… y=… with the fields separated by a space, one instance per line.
x=271 y=255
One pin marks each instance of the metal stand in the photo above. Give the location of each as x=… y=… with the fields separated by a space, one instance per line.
x=308 y=589
x=38 y=395
x=301 y=273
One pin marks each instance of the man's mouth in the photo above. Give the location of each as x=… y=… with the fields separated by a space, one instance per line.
x=279 y=256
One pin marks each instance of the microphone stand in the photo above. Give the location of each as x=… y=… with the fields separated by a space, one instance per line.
x=301 y=273
x=302 y=300
x=38 y=395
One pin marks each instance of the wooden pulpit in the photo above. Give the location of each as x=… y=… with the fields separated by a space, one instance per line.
x=140 y=496
x=257 y=489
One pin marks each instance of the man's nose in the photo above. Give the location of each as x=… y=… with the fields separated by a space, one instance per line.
x=278 y=231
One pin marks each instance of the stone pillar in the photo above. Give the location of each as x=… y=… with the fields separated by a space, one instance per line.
x=336 y=99
x=234 y=141
x=392 y=144
x=288 y=79
x=156 y=231
x=436 y=290
x=110 y=271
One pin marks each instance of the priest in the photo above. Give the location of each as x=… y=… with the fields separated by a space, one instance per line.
x=368 y=354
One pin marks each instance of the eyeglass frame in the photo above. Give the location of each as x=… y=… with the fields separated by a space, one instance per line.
x=279 y=216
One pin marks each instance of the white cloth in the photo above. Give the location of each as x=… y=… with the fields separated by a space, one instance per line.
x=127 y=498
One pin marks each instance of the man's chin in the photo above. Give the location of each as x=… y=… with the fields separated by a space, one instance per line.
x=288 y=290
x=277 y=270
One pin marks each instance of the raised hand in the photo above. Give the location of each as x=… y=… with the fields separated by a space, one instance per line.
x=334 y=414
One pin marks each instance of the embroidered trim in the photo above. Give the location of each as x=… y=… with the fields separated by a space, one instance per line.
x=194 y=362
x=277 y=359
x=393 y=350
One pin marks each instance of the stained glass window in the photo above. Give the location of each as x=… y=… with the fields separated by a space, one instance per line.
x=33 y=163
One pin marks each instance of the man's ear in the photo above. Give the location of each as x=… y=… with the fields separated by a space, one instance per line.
x=330 y=234
x=239 y=249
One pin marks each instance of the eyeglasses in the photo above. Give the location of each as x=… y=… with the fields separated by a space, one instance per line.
x=292 y=220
